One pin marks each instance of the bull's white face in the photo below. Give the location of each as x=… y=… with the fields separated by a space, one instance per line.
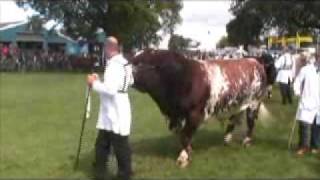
x=138 y=53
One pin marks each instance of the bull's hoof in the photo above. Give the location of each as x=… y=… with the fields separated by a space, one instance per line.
x=183 y=159
x=182 y=163
x=247 y=142
x=227 y=139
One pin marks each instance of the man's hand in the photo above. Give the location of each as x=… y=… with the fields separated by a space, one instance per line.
x=91 y=78
x=95 y=75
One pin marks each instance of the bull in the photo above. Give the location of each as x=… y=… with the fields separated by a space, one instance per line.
x=189 y=92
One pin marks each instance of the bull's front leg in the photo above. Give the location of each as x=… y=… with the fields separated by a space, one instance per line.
x=186 y=138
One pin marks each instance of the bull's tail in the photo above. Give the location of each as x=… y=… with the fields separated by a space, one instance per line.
x=270 y=71
x=268 y=63
x=265 y=116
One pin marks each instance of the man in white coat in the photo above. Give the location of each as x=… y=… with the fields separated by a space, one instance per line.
x=114 y=119
x=284 y=66
x=307 y=86
x=241 y=53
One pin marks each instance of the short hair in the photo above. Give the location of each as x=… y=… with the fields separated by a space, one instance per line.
x=113 y=42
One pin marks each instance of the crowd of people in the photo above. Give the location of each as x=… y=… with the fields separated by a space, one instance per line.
x=17 y=59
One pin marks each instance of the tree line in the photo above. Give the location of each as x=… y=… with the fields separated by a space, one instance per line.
x=136 y=23
x=254 y=19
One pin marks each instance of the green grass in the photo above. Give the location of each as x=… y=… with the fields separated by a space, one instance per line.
x=40 y=117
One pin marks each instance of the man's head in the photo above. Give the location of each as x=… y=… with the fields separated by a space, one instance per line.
x=309 y=54
x=111 y=46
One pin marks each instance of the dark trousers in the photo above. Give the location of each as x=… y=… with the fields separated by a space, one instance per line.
x=304 y=129
x=122 y=151
x=285 y=92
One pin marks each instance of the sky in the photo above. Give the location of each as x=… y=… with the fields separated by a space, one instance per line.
x=202 y=20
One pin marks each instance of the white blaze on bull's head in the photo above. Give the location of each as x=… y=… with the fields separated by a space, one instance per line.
x=138 y=53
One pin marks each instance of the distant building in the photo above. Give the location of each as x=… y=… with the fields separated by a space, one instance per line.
x=24 y=36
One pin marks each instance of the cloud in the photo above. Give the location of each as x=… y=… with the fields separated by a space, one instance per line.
x=10 y=12
x=203 y=21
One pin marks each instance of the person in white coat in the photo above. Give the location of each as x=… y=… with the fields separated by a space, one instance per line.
x=284 y=66
x=241 y=53
x=307 y=86
x=114 y=120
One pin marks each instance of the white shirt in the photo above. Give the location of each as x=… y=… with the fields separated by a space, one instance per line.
x=296 y=65
x=318 y=116
x=284 y=66
x=115 y=110
x=307 y=86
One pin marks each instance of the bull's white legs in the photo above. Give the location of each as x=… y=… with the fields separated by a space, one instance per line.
x=252 y=115
x=269 y=90
x=228 y=138
x=183 y=159
x=247 y=141
x=233 y=121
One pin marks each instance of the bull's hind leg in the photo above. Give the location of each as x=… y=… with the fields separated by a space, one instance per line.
x=252 y=115
x=234 y=120
x=269 y=90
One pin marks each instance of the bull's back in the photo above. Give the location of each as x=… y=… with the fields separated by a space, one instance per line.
x=234 y=84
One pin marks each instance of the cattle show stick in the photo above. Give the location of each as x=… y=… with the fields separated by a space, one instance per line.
x=291 y=134
x=86 y=115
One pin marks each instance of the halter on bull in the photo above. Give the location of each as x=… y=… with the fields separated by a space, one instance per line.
x=188 y=92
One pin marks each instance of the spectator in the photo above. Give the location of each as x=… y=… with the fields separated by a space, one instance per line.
x=284 y=66
x=307 y=87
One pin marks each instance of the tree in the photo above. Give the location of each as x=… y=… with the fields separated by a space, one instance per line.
x=35 y=23
x=133 y=22
x=255 y=18
x=244 y=29
x=179 y=43
x=223 y=42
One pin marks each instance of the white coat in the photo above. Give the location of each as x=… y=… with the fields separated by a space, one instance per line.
x=318 y=115
x=115 y=111
x=284 y=66
x=307 y=86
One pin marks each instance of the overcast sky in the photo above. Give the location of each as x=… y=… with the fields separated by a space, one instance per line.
x=203 y=20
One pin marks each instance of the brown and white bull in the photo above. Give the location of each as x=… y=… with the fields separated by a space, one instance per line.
x=188 y=91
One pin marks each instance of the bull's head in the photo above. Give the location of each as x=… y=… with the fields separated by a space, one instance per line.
x=145 y=74
x=161 y=75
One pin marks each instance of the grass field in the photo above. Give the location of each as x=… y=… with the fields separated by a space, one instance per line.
x=40 y=117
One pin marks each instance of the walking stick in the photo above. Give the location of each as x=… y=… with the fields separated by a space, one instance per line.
x=86 y=115
x=292 y=134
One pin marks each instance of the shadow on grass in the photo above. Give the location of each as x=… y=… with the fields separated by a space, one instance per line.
x=278 y=144
x=169 y=146
x=86 y=163
x=314 y=165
